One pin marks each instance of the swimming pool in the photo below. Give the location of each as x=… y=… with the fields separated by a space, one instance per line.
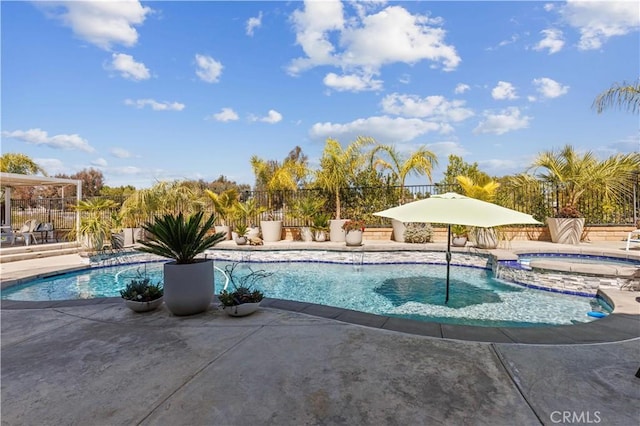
x=414 y=291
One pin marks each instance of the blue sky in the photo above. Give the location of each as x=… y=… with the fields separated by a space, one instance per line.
x=148 y=91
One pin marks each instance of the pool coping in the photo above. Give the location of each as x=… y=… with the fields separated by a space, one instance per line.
x=616 y=327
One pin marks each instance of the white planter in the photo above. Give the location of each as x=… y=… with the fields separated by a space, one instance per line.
x=188 y=288
x=486 y=238
x=306 y=234
x=398 y=230
x=271 y=230
x=132 y=236
x=459 y=241
x=565 y=230
x=240 y=240
x=354 y=238
x=143 y=306
x=253 y=232
x=241 y=310
x=336 y=233
x=224 y=229
x=320 y=236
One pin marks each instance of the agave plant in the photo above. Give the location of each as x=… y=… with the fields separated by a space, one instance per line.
x=180 y=238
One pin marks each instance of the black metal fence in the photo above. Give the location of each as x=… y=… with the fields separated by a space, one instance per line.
x=361 y=203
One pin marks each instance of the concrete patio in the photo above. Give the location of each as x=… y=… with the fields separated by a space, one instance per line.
x=94 y=362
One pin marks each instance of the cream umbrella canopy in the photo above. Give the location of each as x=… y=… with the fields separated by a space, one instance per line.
x=455 y=209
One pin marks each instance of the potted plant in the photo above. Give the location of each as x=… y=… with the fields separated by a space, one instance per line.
x=141 y=295
x=225 y=205
x=304 y=209
x=566 y=225
x=243 y=299
x=95 y=227
x=460 y=235
x=320 y=226
x=353 y=232
x=188 y=281
x=251 y=212
x=241 y=233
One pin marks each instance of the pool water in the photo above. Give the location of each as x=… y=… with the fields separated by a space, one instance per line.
x=406 y=291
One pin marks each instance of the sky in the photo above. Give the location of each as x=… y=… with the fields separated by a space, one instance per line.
x=151 y=91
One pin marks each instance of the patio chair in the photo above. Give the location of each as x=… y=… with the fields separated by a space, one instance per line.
x=26 y=232
x=633 y=237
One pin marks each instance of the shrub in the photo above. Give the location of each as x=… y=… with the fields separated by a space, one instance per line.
x=418 y=233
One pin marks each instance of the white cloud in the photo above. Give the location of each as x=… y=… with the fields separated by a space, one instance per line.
x=597 y=21
x=352 y=82
x=102 y=23
x=383 y=128
x=120 y=153
x=272 y=117
x=550 y=88
x=506 y=121
x=99 y=162
x=552 y=40
x=40 y=137
x=227 y=114
x=253 y=23
x=128 y=67
x=53 y=166
x=209 y=69
x=502 y=167
x=444 y=149
x=368 y=42
x=435 y=107
x=461 y=88
x=155 y=105
x=504 y=90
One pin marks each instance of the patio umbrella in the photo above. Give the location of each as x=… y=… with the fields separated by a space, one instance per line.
x=456 y=209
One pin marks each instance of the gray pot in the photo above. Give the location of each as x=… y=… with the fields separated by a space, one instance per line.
x=188 y=288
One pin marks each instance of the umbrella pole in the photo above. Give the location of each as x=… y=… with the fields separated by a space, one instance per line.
x=446 y=299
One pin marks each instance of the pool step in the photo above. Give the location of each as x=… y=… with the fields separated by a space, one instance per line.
x=37 y=251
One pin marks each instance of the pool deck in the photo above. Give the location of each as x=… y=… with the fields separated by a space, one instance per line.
x=95 y=362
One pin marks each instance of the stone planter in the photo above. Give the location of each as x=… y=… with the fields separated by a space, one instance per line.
x=271 y=230
x=306 y=234
x=336 y=233
x=241 y=310
x=320 y=236
x=486 y=238
x=132 y=236
x=565 y=230
x=459 y=241
x=241 y=241
x=136 y=306
x=354 y=238
x=188 y=288
x=398 y=230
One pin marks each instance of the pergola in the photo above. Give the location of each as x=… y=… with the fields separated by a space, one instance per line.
x=14 y=180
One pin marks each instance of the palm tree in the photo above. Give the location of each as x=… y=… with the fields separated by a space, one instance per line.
x=338 y=166
x=273 y=176
x=162 y=198
x=420 y=163
x=575 y=174
x=624 y=95
x=95 y=226
x=225 y=204
x=486 y=192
